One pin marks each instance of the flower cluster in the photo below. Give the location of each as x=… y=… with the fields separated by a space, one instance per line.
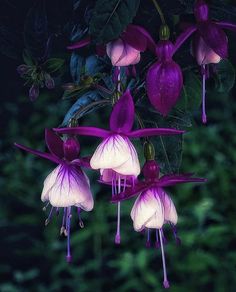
x=67 y=187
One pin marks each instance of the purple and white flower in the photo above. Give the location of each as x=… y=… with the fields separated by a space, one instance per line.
x=67 y=185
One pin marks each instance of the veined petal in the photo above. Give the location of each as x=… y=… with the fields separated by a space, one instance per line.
x=170 y=213
x=131 y=166
x=147 y=210
x=68 y=186
x=121 y=54
x=122 y=116
x=111 y=153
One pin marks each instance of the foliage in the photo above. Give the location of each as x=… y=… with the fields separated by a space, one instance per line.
x=32 y=256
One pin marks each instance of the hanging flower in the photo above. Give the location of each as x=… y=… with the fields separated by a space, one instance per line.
x=116 y=152
x=153 y=208
x=125 y=50
x=67 y=185
x=164 y=80
x=210 y=43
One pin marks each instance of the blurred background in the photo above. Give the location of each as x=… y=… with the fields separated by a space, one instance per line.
x=32 y=256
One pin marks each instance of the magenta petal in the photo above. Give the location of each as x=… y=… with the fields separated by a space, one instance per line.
x=39 y=153
x=154 y=132
x=226 y=25
x=54 y=143
x=170 y=180
x=83 y=131
x=80 y=44
x=164 y=83
x=137 y=37
x=122 y=116
x=184 y=36
x=214 y=37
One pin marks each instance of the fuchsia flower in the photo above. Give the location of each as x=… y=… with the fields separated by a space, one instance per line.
x=210 y=43
x=153 y=208
x=164 y=79
x=67 y=185
x=125 y=50
x=116 y=156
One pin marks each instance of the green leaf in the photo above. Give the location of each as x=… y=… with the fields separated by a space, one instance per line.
x=168 y=148
x=54 y=64
x=110 y=18
x=191 y=95
x=225 y=76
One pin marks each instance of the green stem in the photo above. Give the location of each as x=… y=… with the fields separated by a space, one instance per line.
x=158 y=8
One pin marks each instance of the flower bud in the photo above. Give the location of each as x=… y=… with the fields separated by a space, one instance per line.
x=201 y=10
x=34 y=92
x=49 y=82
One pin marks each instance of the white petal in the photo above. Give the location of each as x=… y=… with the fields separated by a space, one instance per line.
x=205 y=55
x=68 y=186
x=111 y=153
x=169 y=209
x=131 y=166
x=147 y=211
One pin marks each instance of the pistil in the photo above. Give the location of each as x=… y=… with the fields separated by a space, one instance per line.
x=165 y=281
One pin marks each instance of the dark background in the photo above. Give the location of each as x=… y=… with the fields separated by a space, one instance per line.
x=32 y=256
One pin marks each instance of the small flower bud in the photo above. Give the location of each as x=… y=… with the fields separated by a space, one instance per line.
x=22 y=69
x=49 y=82
x=34 y=92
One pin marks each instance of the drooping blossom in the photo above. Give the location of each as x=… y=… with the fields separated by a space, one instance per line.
x=116 y=153
x=125 y=50
x=153 y=207
x=67 y=186
x=210 y=43
x=164 y=80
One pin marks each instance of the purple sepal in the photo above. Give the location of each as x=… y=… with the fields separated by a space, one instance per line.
x=83 y=131
x=183 y=37
x=214 y=37
x=83 y=162
x=39 y=153
x=154 y=132
x=138 y=38
x=84 y=42
x=164 y=83
x=122 y=116
x=226 y=25
x=54 y=143
x=170 y=180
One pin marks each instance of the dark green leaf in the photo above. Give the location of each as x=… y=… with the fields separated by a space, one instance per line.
x=191 y=95
x=110 y=18
x=54 y=64
x=9 y=42
x=36 y=30
x=169 y=148
x=225 y=76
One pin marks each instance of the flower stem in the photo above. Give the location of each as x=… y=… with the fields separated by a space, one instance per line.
x=158 y=8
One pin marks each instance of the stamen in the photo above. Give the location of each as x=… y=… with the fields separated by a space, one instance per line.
x=68 y=217
x=175 y=232
x=63 y=230
x=165 y=280
x=148 y=242
x=45 y=207
x=157 y=244
x=49 y=217
x=204 y=117
x=117 y=238
x=81 y=223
